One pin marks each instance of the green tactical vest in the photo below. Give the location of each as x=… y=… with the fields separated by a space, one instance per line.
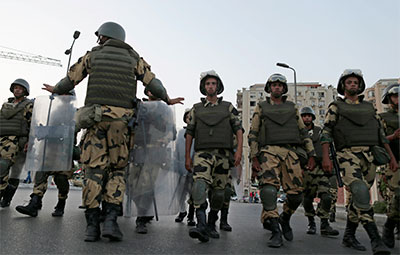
x=392 y=124
x=112 y=80
x=213 y=127
x=278 y=124
x=316 y=142
x=12 y=121
x=356 y=125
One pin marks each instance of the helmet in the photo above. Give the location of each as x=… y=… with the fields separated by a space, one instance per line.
x=389 y=90
x=112 y=30
x=203 y=78
x=22 y=83
x=308 y=110
x=276 y=77
x=185 y=114
x=351 y=72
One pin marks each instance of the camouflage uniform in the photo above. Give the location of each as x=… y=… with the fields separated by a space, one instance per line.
x=355 y=163
x=280 y=164
x=211 y=166
x=334 y=193
x=60 y=179
x=113 y=68
x=11 y=146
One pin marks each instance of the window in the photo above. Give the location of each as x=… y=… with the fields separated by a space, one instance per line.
x=322 y=112
x=371 y=93
x=252 y=103
x=321 y=94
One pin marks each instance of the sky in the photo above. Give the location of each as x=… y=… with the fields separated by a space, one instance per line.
x=241 y=40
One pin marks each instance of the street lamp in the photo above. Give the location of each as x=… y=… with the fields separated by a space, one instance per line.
x=295 y=83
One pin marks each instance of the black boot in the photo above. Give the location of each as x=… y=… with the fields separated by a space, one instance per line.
x=312 y=228
x=212 y=218
x=180 y=216
x=223 y=224
x=141 y=225
x=332 y=217
x=349 y=238
x=388 y=232
x=32 y=208
x=200 y=231
x=8 y=195
x=276 y=239
x=59 y=209
x=377 y=246
x=284 y=220
x=327 y=230
x=110 y=226
x=190 y=216
x=93 y=224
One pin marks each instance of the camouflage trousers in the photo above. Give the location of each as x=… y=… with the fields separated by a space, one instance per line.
x=355 y=165
x=334 y=192
x=104 y=156
x=392 y=179
x=316 y=183
x=60 y=179
x=9 y=150
x=280 y=167
x=213 y=167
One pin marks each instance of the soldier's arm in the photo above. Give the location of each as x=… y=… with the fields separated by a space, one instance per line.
x=326 y=136
x=76 y=74
x=238 y=131
x=28 y=113
x=382 y=128
x=254 y=132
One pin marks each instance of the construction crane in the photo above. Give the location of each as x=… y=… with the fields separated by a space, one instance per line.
x=28 y=57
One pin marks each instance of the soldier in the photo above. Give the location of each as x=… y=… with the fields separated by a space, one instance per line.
x=391 y=126
x=352 y=124
x=186 y=178
x=113 y=68
x=212 y=123
x=15 y=121
x=276 y=134
x=316 y=182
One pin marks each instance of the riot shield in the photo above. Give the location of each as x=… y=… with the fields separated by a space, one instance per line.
x=51 y=136
x=151 y=178
x=18 y=166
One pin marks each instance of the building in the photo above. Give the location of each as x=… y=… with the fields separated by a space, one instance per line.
x=311 y=94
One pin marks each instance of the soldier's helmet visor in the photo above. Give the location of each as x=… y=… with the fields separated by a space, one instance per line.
x=352 y=71
x=279 y=78
x=394 y=90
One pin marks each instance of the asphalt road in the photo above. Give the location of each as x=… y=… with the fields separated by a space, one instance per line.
x=20 y=234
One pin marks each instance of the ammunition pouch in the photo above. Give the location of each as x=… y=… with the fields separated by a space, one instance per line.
x=381 y=157
x=88 y=116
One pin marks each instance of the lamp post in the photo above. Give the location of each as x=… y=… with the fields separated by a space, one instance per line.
x=295 y=83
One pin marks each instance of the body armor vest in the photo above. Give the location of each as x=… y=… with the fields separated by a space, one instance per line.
x=12 y=121
x=316 y=135
x=112 y=80
x=356 y=125
x=279 y=124
x=213 y=127
x=392 y=124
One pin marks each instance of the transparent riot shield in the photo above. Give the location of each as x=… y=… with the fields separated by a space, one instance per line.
x=18 y=166
x=151 y=178
x=51 y=136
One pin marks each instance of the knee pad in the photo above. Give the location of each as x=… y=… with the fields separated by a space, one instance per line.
x=326 y=201
x=308 y=204
x=41 y=176
x=90 y=173
x=217 y=199
x=294 y=200
x=360 y=194
x=14 y=182
x=5 y=165
x=268 y=195
x=199 y=192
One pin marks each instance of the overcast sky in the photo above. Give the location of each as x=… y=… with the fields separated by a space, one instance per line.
x=240 y=40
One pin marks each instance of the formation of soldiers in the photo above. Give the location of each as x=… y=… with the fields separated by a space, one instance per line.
x=286 y=150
